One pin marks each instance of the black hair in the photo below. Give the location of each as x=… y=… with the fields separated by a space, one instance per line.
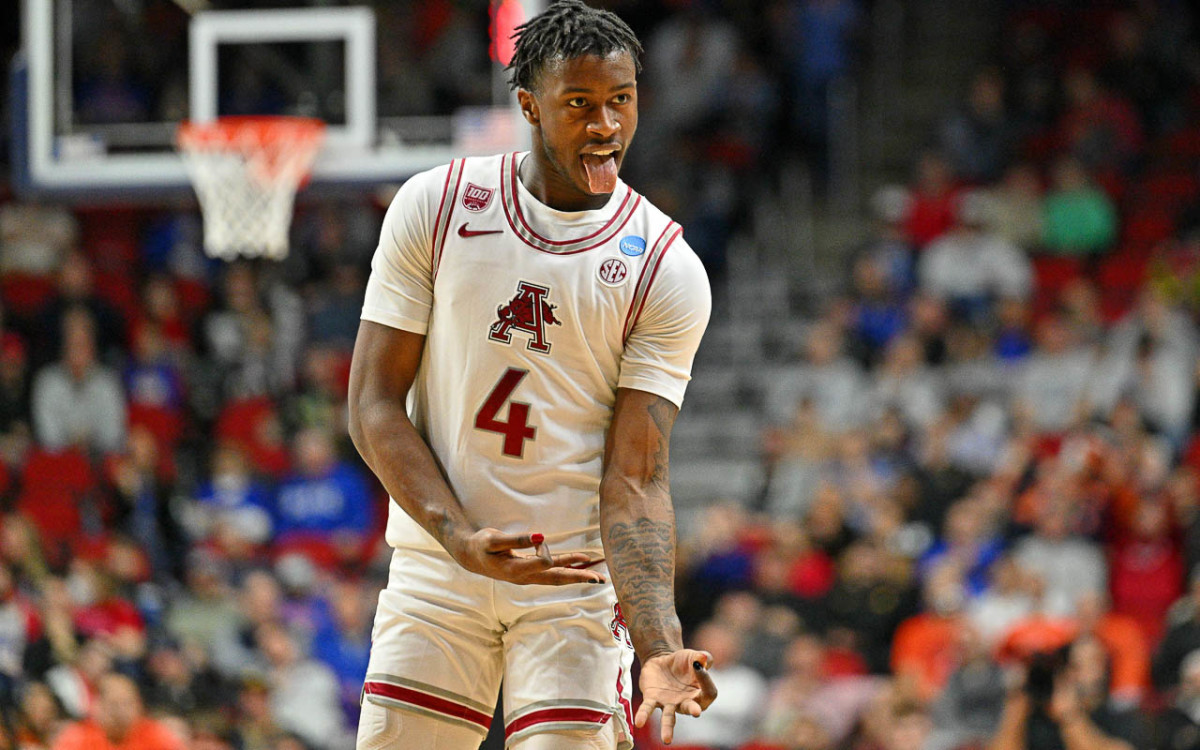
x=566 y=30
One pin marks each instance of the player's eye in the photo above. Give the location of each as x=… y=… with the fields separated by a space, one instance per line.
x=622 y=99
x=577 y=102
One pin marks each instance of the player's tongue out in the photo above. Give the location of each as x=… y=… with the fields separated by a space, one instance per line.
x=601 y=172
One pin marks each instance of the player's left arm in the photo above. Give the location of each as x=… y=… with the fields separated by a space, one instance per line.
x=637 y=521
x=637 y=525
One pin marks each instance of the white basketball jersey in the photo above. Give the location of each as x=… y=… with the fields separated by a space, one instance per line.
x=533 y=318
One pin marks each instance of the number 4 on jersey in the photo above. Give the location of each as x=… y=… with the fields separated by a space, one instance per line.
x=517 y=429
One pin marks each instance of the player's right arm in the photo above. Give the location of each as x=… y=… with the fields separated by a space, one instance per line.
x=387 y=354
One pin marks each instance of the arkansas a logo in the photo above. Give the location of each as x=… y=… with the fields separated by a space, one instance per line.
x=476 y=198
x=619 y=628
x=527 y=312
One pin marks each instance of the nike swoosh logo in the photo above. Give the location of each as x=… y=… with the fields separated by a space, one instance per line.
x=464 y=232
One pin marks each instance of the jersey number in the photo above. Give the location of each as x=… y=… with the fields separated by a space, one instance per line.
x=517 y=429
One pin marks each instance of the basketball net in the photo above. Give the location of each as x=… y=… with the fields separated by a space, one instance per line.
x=246 y=171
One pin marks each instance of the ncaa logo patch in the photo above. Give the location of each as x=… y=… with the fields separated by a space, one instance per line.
x=476 y=198
x=613 y=272
x=633 y=246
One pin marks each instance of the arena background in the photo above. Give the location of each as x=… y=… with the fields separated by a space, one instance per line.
x=943 y=421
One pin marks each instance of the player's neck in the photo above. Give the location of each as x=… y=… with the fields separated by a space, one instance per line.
x=553 y=189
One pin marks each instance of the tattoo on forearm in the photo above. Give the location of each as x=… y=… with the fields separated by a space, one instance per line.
x=662 y=412
x=643 y=551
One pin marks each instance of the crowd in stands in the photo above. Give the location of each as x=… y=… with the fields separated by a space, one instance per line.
x=981 y=525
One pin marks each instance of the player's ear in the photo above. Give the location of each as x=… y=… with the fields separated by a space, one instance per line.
x=529 y=107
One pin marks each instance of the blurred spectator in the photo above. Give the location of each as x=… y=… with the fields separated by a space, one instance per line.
x=199 y=613
x=809 y=691
x=1078 y=219
x=968 y=545
x=978 y=139
x=15 y=408
x=1179 y=724
x=730 y=725
x=1005 y=602
x=1097 y=127
x=1064 y=703
x=1125 y=643
x=19 y=626
x=78 y=401
x=39 y=717
x=1052 y=386
x=143 y=491
x=926 y=646
x=1182 y=636
x=305 y=696
x=1147 y=569
x=1068 y=566
x=235 y=650
x=969 y=266
x=866 y=605
x=831 y=381
x=333 y=312
x=35 y=237
x=344 y=643
x=888 y=249
x=325 y=501
x=904 y=384
x=178 y=684
x=1016 y=206
x=119 y=721
x=934 y=198
x=879 y=314
x=76 y=291
x=233 y=497
x=255 y=339
x=968 y=708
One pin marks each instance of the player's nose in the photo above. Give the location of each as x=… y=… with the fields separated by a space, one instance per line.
x=604 y=124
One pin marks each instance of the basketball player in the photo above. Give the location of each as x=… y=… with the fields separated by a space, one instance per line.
x=540 y=319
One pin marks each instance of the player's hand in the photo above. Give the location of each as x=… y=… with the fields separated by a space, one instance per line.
x=675 y=682
x=493 y=553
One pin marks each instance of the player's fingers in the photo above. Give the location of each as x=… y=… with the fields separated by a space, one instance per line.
x=565 y=576
x=668 y=723
x=644 y=712
x=572 y=560
x=691 y=708
x=501 y=542
x=708 y=688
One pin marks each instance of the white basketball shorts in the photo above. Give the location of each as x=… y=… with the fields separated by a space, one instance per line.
x=445 y=638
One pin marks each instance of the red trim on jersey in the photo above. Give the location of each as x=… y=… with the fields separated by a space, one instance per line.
x=638 y=291
x=512 y=225
x=548 y=715
x=650 y=284
x=516 y=196
x=462 y=167
x=431 y=702
x=433 y=244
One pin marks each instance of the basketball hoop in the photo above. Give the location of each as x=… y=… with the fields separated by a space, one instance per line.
x=246 y=171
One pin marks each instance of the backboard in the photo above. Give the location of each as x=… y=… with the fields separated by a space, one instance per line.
x=101 y=86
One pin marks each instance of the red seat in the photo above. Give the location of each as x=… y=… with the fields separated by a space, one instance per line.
x=55 y=486
x=1147 y=227
x=165 y=425
x=24 y=295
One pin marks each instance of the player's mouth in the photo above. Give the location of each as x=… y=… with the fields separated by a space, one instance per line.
x=600 y=164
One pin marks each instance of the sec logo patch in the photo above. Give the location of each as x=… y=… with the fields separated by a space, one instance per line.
x=613 y=272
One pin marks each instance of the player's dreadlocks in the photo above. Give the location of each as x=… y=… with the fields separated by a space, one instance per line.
x=566 y=30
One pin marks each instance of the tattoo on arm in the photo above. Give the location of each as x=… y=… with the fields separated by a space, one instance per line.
x=644 y=551
x=638 y=527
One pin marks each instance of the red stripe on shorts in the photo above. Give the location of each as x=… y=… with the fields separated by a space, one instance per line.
x=431 y=702
x=547 y=715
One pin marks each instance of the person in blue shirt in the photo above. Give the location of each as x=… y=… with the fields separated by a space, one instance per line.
x=324 y=499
